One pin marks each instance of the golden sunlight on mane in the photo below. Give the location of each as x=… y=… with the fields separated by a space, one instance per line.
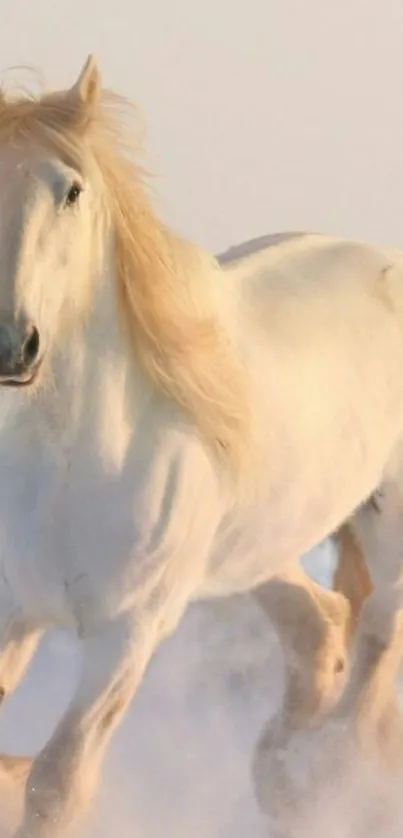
x=165 y=285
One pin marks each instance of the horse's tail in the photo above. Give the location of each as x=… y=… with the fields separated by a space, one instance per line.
x=351 y=576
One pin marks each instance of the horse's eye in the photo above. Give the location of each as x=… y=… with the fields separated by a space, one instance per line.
x=73 y=194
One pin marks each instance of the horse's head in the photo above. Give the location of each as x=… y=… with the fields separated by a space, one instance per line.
x=73 y=206
x=49 y=212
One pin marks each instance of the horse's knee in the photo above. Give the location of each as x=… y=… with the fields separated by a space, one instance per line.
x=112 y=713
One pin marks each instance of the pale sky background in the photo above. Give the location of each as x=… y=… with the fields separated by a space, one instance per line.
x=262 y=114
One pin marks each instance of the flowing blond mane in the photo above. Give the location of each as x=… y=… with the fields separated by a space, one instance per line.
x=165 y=285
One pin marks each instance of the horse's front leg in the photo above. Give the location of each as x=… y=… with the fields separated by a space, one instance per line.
x=18 y=644
x=17 y=647
x=64 y=774
x=19 y=639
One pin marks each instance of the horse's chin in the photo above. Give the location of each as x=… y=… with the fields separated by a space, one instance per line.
x=25 y=380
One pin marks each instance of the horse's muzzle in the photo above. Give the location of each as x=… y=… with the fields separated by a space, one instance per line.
x=19 y=353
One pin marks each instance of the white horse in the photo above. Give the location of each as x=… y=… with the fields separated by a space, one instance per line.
x=170 y=428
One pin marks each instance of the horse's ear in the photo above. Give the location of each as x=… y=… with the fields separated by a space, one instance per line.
x=87 y=89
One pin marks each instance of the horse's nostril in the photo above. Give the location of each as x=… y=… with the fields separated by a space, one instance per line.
x=30 y=349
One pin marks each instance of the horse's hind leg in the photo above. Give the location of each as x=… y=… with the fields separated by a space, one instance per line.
x=378 y=527
x=369 y=703
x=370 y=697
x=315 y=626
x=311 y=623
x=351 y=577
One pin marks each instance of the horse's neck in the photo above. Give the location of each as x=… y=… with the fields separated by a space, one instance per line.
x=96 y=387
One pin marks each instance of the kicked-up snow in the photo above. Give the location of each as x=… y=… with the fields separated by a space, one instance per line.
x=179 y=766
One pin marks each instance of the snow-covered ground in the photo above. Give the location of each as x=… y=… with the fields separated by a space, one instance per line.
x=179 y=766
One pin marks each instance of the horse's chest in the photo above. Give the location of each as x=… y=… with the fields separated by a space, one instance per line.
x=30 y=488
x=75 y=537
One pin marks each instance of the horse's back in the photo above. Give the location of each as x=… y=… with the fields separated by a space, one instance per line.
x=256 y=245
x=306 y=253
x=296 y=284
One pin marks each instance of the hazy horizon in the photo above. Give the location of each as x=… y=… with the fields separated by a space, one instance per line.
x=260 y=117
